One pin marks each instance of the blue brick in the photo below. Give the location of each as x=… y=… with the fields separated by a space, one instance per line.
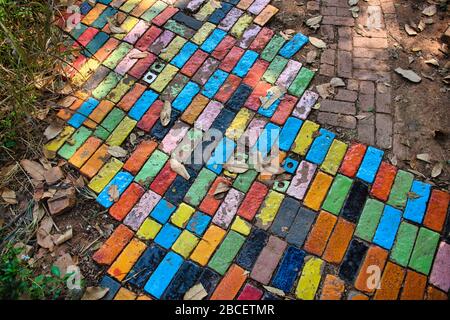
x=285 y=217
x=159 y=131
x=267 y=139
x=268 y=112
x=214 y=83
x=209 y=280
x=183 y=56
x=352 y=261
x=113 y=285
x=223 y=120
x=162 y=211
x=290 y=165
x=221 y=154
x=370 y=164
x=85 y=8
x=102 y=19
x=245 y=63
x=415 y=207
x=251 y=249
x=289 y=133
x=167 y=236
x=270 y=296
x=198 y=223
x=122 y=180
x=213 y=40
x=185 y=97
x=300 y=227
x=145 y=266
x=239 y=97
x=78 y=30
x=180 y=186
x=206 y=144
x=95 y=44
x=293 y=46
x=83 y=112
x=105 y=1
x=183 y=281
x=141 y=106
x=289 y=268
x=220 y=13
x=162 y=276
x=320 y=146
x=387 y=228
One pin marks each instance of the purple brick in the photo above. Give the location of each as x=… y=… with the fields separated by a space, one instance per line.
x=304 y=106
x=248 y=36
x=209 y=114
x=228 y=208
x=161 y=42
x=268 y=260
x=288 y=75
x=301 y=180
x=228 y=22
x=138 y=30
x=205 y=71
x=258 y=6
x=440 y=275
x=141 y=210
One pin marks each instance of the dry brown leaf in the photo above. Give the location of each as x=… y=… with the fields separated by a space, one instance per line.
x=314 y=22
x=424 y=157
x=275 y=291
x=9 y=196
x=166 y=113
x=113 y=193
x=197 y=292
x=222 y=188
x=410 y=31
x=337 y=82
x=34 y=169
x=179 y=168
x=430 y=10
x=409 y=74
x=53 y=130
x=60 y=239
x=117 y=151
x=433 y=62
x=318 y=43
x=115 y=29
x=236 y=167
x=311 y=56
x=437 y=170
x=139 y=55
x=94 y=293
x=273 y=94
x=43 y=237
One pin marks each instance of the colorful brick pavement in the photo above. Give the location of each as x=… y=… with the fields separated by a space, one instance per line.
x=340 y=215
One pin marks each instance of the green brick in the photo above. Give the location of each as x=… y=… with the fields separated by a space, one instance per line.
x=301 y=82
x=369 y=219
x=337 y=194
x=77 y=139
x=163 y=79
x=121 y=132
x=109 y=123
x=241 y=25
x=227 y=251
x=274 y=70
x=424 y=250
x=200 y=187
x=109 y=83
x=281 y=186
x=151 y=168
x=117 y=55
x=404 y=243
x=400 y=189
x=244 y=180
x=129 y=5
x=173 y=48
x=121 y=89
x=272 y=48
x=152 y=12
x=178 y=29
x=203 y=33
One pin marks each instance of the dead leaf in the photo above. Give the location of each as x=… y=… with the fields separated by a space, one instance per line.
x=421 y=25
x=412 y=195
x=38 y=213
x=424 y=157
x=63 y=263
x=53 y=130
x=430 y=10
x=113 y=28
x=94 y=293
x=433 y=62
x=222 y=188
x=437 y=170
x=66 y=236
x=53 y=175
x=337 y=82
x=353 y=2
x=117 y=151
x=410 y=31
x=179 y=168
x=236 y=167
x=409 y=74
x=139 y=55
x=113 y=193
x=34 y=169
x=9 y=196
x=318 y=43
x=273 y=94
x=311 y=56
x=197 y=292
x=166 y=113
x=325 y=90
x=43 y=237
x=275 y=291
x=314 y=22
x=355 y=12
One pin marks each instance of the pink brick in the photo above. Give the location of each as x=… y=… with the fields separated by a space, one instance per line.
x=127 y=63
x=228 y=22
x=136 y=32
x=248 y=36
x=262 y=39
x=440 y=275
x=254 y=129
x=224 y=47
x=162 y=18
x=268 y=260
x=305 y=105
x=288 y=75
x=194 y=63
x=250 y=292
x=231 y=59
x=138 y=214
x=301 y=180
x=205 y=120
x=228 y=208
x=173 y=137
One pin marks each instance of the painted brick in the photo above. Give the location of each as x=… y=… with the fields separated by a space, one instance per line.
x=185 y=278
x=437 y=210
x=154 y=11
x=121 y=181
x=231 y=18
x=337 y=194
x=222 y=51
x=131 y=97
x=321 y=231
x=339 y=241
x=210 y=204
x=161 y=42
x=151 y=117
x=164 y=78
x=151 y=168
x=167 y=236
x=125 y=261
x=250 y=292
x=85 y=152
x=300 y=227
x=95 y=162
x=439 y=274
x=305 y=137
x=112 y=285
x=353 y=159
x=241 y=26
x=104 y=176
x=353 y=260
x=318 y=191
x=185 y=243
x=146 y=265
x=213 y=40
x=111 y=248
x=274 y=70
x=139 y=156
x=162 y=211
x=164 y=16
x=284 y=110
x=333 y=288
x=117 y=55
x=255 y=73
x=198 y=223
x=414 y=286
x=207 y=245
x=268 y=260
x=260 y=90
x=424 y=250
x=269 y=209
x=370 y=164
x=221 y=154
x=288 y=270
x=320 y=146
x=241 y=226
x=293 y=46
x=388 y=227
x=416 y=206
x=285 y=217
x=252 y=201
x=404 y=243
x=355 y=201
x=301 y=82
x=239 y=97
x=214 y=83
x=369 y=219
x=202 y=34
x=261 y=40
x=288 y=75
x=124 y=294
x=391 y=282
x=245 y=63
x=251 y=249
x=383 y=181
x=230 y=284
x=272 y=48
x=227 y=210
x=226 y=252
x=148 y=230
x=163 y=180
x=141 y=210
x=309 y=279
x=200 y=187
x=194 y=63
x=301 y=180
x=257 y=6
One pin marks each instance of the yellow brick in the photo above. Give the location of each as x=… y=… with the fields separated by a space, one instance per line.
x=334 y=157
x=241 y=226
x=164 y=78
x=93 y=14
x=104 y=176
x=269 y=208
x=123 y=264
x=148 y=230
x=241 y=25
x=85 y=71
x=211 y=239
x=125 y=294
x=318 y=190
x=185 y=243
x=305 y=137
x=127 y=25
x=205 y=11
x=182 y=215
x=309 y=279
x=173 y=48
x=121 y=132
x=239 y=124
x=203 y=33
x=53 y=145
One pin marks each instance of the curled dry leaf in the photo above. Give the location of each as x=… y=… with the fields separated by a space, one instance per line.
x=437 y=170
x=94 y=293
x=179 y=168
x=66 y=236
x=430 y=11
x=114 y=29
x=166 y=113
x=139 y=55
x=53 y=130
x=433 y=62
x=113 y=193
x=318 y=43
x=34 y=169
x=236 y=167
x=311 y=56
x=117 y=151
x=409 y=74
x=314 y=22
x=353 y=2
x=222 y=188
x=424 y=157
x=197 y=292
x=43 y=237
x=273 y=94
x=325 y=90
x=275 y=291
x=410 y=31
x=9 y=196
x=337 y=82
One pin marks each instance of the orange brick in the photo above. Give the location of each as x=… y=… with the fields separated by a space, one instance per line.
x=383 y=182
x=318 y=191
x=85 y=152
x=352 y=159
x=357 y=296
x=340 y=238
x=144 y=297
x=321 y=231
x=206 y=247
x=210 y=204
x=123 y=264
x=375 y=256
x=437 y=210
x=230 y=284
x=131 y=97
x=435 y=294
x=391 y=282
x=194 y=109
x=66 y=113
x=414 y=286
x=125 y=294
x=332 y=289
x=99 y=113
x=106 y=50
x=96 y=162
x=140 y=156
x=126 y=202
x=112 y=247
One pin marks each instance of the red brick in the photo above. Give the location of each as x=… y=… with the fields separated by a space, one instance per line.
x=86 y=37
x=353 y=159
x=230 y=284
x=344 y=64
x=383 y=181
x=164 y=16
x=321 y=231
x=126 y=202
x=131 y=97
x=284 y=110
x=113 y=246
x=253 y=102
x=151 y=116
x=370 y=43
x=391 y=282
x=142 y=66
x=148 y=38
x=194 y=63
x=437 y=210
x=210 y=204
x=262 y=39
x=414 y=286
x=140 y=156
x=223 y=48
x=256 y=72
x=252 y=201
x=232 y=58
x=163 y=180
x=228 y=88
